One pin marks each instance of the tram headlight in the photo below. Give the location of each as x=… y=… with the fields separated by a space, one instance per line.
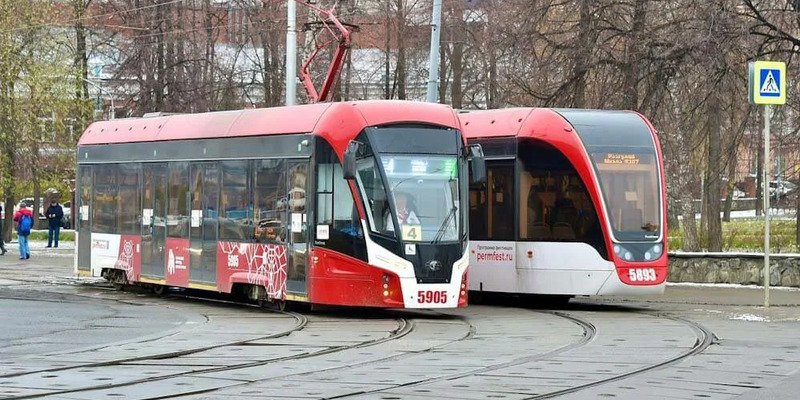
x=657 y=249
x=653 y=253
x=622 y=252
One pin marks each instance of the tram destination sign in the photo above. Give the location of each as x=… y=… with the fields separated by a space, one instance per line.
x=617 y=158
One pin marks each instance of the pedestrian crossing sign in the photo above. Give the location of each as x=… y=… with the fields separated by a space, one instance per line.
x=767 y=83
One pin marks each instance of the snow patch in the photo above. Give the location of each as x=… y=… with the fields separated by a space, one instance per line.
x=708 y=311
x=749 y=317
x=732 y=286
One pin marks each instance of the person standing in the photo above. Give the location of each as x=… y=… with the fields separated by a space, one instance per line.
x=24 y=219
x=54 y=216
x=3 y=250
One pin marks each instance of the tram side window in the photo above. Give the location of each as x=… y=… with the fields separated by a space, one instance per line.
x=324 y=193
x=345 y=215
x=336 y=208
x=555 y=204
x=270 y=201
x=377 y=204
x=177 y=218
x=237 y=207
x=128 y=207
x=105 y=194
x=344 y=226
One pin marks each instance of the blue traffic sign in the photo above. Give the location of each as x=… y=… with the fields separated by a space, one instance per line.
x=767 y=82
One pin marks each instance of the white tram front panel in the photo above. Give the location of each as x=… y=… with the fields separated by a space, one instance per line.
x=554 y=268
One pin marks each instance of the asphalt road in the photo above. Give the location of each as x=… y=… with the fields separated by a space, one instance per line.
x=68 y=338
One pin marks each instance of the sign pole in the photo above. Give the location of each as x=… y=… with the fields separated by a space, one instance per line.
x=766 y=85
x=766 y=204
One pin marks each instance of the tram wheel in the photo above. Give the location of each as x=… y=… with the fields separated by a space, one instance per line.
x=119 y=287
x=476 y=297
x=159 y=290
x=553 y=301
x=283 y=305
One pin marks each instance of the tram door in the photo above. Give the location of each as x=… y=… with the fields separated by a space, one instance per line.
x=298 y=226
x=154 y=217
x=83 y=224
x=204 y=220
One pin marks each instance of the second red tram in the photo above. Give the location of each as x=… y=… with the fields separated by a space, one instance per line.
x=574 y=203
x=292 y=203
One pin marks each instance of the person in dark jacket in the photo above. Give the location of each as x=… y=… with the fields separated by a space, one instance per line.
x=54 y=215
x=2 y=243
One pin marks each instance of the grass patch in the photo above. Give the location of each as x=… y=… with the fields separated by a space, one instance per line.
x=745 y=235
x=64 y=236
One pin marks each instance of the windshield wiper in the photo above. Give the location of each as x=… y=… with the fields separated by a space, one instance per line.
x=442 y=229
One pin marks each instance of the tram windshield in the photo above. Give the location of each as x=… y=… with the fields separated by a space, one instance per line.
x=423 y=197
x=629 y=182
x=622 y=148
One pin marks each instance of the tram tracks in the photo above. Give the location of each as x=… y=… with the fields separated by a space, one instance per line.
x=704 y=339
x=302 y=321
x=404 y=327
x=589 y=333
x=374 y=361
x=12 y=380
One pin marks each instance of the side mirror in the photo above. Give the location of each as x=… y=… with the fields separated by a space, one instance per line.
x=349 y=160
x=477 y=164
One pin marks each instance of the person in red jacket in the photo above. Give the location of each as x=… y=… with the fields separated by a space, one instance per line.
x=24 y=219
x=2 y=243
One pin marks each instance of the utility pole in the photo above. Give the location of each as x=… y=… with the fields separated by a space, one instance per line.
x=433 y=65
x=291 y=52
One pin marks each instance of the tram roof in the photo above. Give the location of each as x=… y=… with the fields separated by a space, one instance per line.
x=532 y=122
x=326 y=119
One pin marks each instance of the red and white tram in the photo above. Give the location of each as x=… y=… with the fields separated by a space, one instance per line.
x=283 y=204
x=574 y=204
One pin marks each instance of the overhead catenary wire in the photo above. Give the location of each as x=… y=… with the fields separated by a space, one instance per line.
x=97 y=16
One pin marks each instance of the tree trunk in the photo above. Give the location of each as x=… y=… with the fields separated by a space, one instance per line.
x=81 y=59
x=401 y=67
x=631 y=95
x=160 y=62
x=37 y=193
x=447 y=36
x=457 y=63
x=582 y=53
x=347 y=76
x=491 y=67
x=690 y=240
x=493 y=100
x=81 y=66
x=731 y=186
x=387 y=56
